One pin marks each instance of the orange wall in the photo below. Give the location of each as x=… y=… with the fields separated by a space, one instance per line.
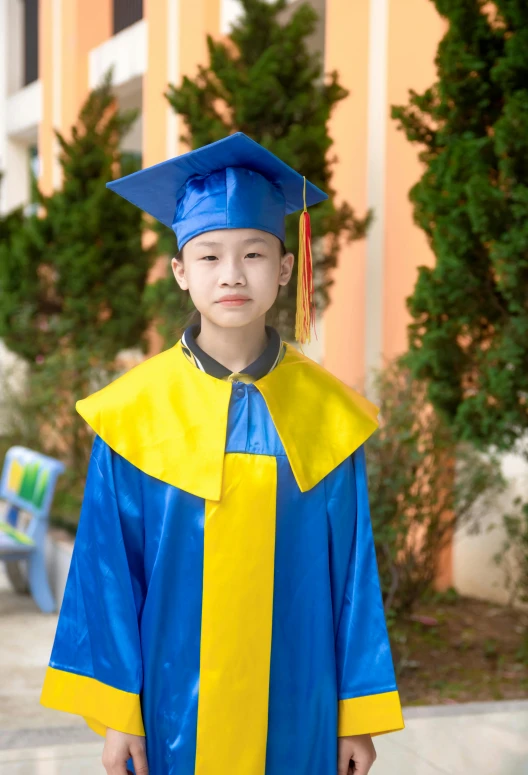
x=411 y=66
x=196 y=20
x=84 y=26
x=81 y=27
x=45 y=138
x=346 y=47
x=199 y=19
x=154 y=85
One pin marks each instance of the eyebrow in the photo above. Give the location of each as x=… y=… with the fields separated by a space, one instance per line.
x=208 y=244
x=205 y=244
x=254 y=239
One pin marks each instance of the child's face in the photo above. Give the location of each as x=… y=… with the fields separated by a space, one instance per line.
x=243 y=263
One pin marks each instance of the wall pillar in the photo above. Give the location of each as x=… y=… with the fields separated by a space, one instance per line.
x=84 y=26
x=346 y=50
x=3 y=97
x=45 y=132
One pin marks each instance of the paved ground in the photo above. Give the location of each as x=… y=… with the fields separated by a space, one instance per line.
x=471 y=739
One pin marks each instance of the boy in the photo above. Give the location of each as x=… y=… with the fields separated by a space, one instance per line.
x=223 y=612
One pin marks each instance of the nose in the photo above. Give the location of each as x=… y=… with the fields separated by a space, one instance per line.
x=232 y=272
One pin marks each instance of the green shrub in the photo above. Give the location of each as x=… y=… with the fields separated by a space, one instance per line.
x=421 y=486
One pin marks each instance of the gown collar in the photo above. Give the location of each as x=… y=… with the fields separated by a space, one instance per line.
x=169 y=419
x=266 y=361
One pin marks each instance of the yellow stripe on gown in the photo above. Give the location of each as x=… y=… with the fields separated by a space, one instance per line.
x=239 y=547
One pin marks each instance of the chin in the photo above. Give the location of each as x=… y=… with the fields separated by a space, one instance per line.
x=233 y=319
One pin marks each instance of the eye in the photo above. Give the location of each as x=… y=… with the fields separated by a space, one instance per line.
x=253 y=255
x=209 y=258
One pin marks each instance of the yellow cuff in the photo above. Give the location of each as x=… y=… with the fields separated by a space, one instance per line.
x=374 y=714
x=101 y=705
x=96 y=726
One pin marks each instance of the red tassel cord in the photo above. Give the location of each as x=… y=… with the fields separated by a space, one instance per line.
x=305 y=313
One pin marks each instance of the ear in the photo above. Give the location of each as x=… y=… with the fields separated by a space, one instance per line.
x=179 y=273
x=286 y=268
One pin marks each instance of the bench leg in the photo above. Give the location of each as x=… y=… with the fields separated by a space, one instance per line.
x=17 y=574
x=38 y=583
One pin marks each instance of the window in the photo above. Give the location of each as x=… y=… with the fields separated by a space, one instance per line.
x=126 y=12
x=31 y=36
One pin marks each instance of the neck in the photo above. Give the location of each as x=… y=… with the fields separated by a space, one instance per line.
x=235 y=348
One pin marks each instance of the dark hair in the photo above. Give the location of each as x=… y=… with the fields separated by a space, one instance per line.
x=195 y=318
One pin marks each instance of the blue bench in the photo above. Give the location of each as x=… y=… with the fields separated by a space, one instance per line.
x=28 y=484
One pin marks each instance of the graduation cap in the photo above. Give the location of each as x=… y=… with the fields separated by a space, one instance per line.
x=234 y=183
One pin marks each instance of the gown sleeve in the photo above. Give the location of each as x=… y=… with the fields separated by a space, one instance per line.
x=95 y=669
x=368 y=698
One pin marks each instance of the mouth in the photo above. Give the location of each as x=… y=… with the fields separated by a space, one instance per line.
x=233 y=301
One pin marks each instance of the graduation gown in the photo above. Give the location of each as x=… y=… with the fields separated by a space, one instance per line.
x=223 y=597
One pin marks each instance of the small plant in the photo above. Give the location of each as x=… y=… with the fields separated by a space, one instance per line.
x=491 y=651
x=448 y=596
x=513 y=558
x=421 y=485
x=513 y=554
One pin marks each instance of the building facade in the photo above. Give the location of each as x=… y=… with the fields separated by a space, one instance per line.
x=54 y=51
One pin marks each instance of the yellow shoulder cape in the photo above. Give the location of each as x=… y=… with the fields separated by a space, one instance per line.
x=169 y=419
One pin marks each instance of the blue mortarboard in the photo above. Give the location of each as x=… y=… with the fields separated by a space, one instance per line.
x=234 y=183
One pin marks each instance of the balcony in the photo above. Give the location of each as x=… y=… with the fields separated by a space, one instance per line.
x=24 y=112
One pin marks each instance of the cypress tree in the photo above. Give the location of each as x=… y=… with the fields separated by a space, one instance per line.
x=469 y=333
x=72 y=277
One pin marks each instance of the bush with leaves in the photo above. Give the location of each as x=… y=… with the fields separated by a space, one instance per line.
x=31 y=402
x=512 y=556
x=421 y=486
x=10 y=223
x=264 y=81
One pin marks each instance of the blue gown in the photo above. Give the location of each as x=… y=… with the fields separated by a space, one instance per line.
x=241 y=631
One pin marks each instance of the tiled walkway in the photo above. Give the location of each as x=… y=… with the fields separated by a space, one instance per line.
x=476 y=739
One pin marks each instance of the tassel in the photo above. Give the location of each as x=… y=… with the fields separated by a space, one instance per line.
x=305 y=312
